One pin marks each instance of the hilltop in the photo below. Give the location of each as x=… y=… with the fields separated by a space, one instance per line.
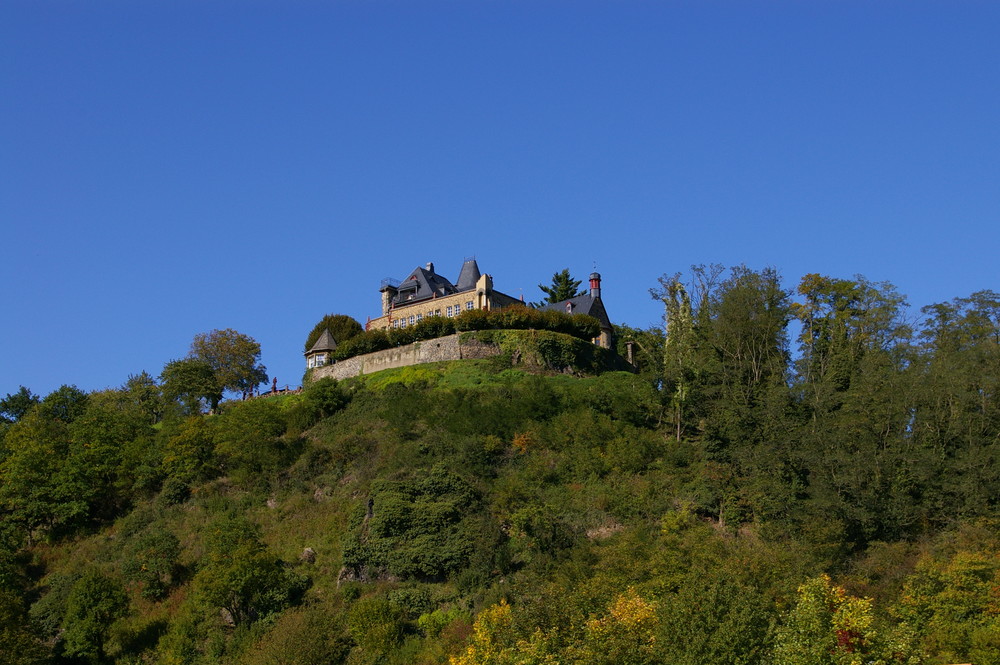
x=723 y=504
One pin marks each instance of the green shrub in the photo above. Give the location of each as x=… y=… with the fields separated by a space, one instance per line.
x=306 y=635
x=376 y=626
x=151 y=561
x=367 y=342
x=48 y=611
x=473 y=319
x=320 y=399
x=420 y=528
x=174 y=492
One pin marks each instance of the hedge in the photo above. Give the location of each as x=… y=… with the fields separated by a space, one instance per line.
x=516 y=317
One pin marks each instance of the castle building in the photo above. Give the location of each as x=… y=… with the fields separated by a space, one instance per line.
x=589 y=303
x=426 y=293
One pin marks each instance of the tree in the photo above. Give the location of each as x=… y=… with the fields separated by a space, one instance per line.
x=189 y=381
x=563 y=287
x=108 y=452
x=341 y=326
x=241 y=576
x=95 y=602
x=248 y=440
x=39 y=491
x=64 y=404
x=143 y=391
x=151 y=560
x=679 y=362
x=14 y=407
x=233 y=357
x=187 y=450
x=19 y=645
x=828 y=626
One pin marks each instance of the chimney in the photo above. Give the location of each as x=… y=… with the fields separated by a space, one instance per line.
x=430 y=267
x=595 y=285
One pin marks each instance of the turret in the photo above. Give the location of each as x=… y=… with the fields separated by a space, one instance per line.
x=388 y=292
x=595 y=285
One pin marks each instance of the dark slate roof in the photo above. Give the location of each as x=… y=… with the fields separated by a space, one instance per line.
x=421 y=285
x=468 y=277
x=585 y=304
x=326 y=342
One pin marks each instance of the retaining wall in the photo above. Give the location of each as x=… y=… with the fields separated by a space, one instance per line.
x=450 y=347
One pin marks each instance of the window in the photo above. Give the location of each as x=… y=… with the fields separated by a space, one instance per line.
x=395 y=324
x=320 y=360
x=437 y=312
x=469 y=305
x=420 y=317
x=411 y=319
x=449 y=310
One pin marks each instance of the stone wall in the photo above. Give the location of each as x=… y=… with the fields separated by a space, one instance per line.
x=450 y=347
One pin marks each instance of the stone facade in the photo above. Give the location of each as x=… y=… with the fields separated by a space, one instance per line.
x=451 y=347
x=483 y=296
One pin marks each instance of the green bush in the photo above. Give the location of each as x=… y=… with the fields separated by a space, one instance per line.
x=320 y=399
x=366 y=342
x=420 y=528
x=473 y=319
x=376 y=626
x=151 y=561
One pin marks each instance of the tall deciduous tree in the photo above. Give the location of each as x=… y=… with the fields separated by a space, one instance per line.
x=563 y=287
x=189 y=381
x=679 y=366
x=66 y=404
x=233 y=357
x=143 y=391
x=241 y=576
x=39 y=490
x=14 y=407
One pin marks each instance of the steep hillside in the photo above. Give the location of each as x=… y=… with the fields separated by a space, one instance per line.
x=715 y=508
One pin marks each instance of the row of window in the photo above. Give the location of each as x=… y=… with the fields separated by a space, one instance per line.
x=450 y=311
x=317 y=360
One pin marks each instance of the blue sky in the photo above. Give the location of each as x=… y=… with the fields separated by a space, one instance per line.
x=167 y=168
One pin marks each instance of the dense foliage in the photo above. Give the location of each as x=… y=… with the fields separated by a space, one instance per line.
x=745 y=498
x=517 y=317
x=340 y=326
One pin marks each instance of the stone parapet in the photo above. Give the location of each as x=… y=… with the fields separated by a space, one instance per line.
x=450 y=347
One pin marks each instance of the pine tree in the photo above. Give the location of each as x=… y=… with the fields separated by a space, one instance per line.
x=563 y=288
